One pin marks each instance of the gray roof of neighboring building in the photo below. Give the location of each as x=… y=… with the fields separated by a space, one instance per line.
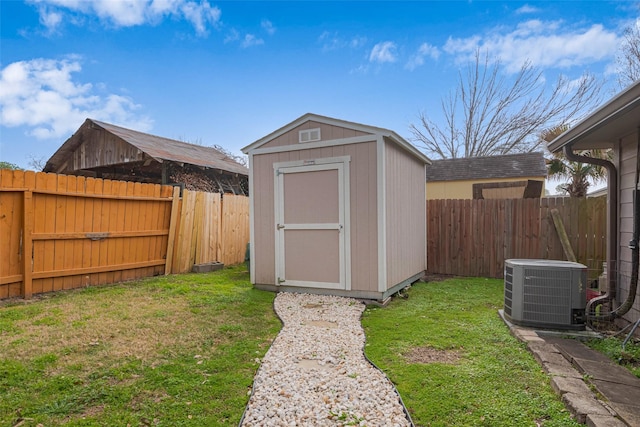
x=493 y=167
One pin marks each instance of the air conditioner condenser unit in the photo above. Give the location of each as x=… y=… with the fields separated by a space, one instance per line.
x=545 y=293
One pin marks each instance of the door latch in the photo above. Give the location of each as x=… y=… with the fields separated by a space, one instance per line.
x=279 y=226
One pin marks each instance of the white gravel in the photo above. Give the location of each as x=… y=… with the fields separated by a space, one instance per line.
x=315 y=373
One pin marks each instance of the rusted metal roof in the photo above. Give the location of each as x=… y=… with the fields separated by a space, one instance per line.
x=157 y=147
x=169 y=149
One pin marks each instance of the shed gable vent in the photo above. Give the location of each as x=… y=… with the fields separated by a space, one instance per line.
x=309 y=135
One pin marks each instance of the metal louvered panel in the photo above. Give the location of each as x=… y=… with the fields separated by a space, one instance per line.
x=508 y=289
x=545 y=293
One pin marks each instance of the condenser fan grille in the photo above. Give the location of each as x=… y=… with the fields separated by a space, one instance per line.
x=547 y=294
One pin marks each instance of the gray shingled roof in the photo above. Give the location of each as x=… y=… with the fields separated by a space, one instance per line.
x=494 y=167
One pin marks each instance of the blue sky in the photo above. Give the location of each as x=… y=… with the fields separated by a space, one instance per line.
x=229 y=73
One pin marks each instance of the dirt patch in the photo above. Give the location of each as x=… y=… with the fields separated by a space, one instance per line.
x=431 y=355
x=429 y=277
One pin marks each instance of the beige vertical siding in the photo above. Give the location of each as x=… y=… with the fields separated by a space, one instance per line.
x=627 y=172
x=327 y=133
x=363 y=200
x=406 y=219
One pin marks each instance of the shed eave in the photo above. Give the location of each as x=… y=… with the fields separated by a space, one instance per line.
x=623 y=111
x=374 y=131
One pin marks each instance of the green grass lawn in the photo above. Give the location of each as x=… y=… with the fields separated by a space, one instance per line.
x=454 y=361
x=183 y=350
x=168 y=351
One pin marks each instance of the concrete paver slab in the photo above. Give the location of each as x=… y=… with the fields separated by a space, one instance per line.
x=630 y=414
x=577 y=350
x=608 y=372
x=619 y=393
x=604 y=421
x=581 y=406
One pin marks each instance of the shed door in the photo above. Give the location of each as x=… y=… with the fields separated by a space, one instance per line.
x=310 y=226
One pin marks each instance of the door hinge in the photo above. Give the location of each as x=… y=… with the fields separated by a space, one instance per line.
x=280 y=281
x=279 y=226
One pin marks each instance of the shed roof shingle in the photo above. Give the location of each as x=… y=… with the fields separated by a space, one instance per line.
x=494 y=167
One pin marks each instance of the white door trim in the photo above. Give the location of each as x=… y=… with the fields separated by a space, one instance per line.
x=341 y=164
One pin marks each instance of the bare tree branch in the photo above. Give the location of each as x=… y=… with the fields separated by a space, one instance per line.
x=628 y=58
x=489 y=115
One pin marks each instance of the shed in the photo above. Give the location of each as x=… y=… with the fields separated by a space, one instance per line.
x=104 y=150
x=336 y=207
x=508 y=176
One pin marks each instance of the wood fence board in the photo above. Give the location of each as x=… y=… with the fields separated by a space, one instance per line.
x=77 y=281
x=87 y=227
x=173 y=227
x=510 y=228
x=64 y=232
x=130 y=211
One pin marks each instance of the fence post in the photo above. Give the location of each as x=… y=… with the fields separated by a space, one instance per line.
x=27 y=245
x=172 y=230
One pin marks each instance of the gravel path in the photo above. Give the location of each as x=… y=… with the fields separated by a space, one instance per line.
x=315 y=373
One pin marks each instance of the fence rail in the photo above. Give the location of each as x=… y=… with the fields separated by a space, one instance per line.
x=62 y=232
x=474 y=237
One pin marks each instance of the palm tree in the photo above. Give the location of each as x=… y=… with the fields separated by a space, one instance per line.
x=579 y=175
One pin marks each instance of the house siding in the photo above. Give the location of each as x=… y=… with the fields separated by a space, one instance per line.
x=464 y=189
x=627 y=160
x=406 y=229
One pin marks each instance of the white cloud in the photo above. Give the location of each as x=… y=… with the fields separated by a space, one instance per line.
x=544 y=44
x=201 y=15
x=42 y=95
x=334 y=41
x=128 y=13
x=268 y=27
x=527 y=9
x=383 y=52
x=232 y=36
x=417 y=59
x=251 y=40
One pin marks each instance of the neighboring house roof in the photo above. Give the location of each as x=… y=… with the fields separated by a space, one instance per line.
x=342 y=123
x=598 y=193
x=615 y=119
x=493 y=167
x=156 y=147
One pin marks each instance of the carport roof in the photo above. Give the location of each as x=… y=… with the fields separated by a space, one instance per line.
x=157 y=147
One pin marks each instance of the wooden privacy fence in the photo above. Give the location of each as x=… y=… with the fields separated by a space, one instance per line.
x=474 y=237
x=62 y=232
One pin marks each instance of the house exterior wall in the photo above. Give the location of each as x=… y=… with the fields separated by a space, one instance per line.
x=406 y=241
x=327 y=133
x=363 y=206
x=464 y=189
x=626 y=158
